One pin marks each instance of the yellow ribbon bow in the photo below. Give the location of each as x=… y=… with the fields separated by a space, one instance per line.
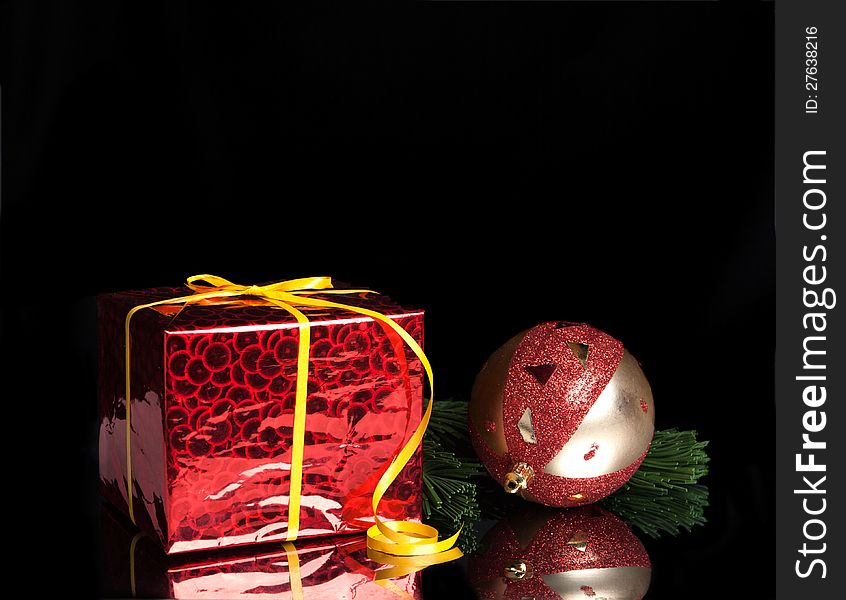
x=405 y=545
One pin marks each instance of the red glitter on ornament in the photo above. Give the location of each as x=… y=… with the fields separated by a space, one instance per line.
x=588 y=591
x=565 y=397
x=644 y=406
x=592 y=452
x=490 y=426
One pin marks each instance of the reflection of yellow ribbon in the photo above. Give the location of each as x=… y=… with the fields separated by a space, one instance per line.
x=407 y=546
x=132 y=545
x=294 y=574
x=294 y=571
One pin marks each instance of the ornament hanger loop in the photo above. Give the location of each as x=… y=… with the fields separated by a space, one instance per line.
x=518 y=478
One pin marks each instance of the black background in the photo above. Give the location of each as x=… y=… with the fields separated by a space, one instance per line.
x=497 y=164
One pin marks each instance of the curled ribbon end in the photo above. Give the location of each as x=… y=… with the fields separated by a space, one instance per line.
x=411 y=547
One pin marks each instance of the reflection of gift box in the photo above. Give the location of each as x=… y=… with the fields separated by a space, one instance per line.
x=211 y=421
x=333 y=568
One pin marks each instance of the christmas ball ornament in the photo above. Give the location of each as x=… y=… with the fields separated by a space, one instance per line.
x=561 y=414
x=575 y=554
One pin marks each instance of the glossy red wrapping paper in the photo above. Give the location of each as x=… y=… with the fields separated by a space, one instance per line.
x=212 y=415
x=330 y=568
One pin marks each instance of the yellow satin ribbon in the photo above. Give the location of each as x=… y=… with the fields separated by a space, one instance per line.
x=407 y=546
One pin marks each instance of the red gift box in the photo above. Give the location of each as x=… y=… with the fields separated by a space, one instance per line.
x=335 y=568
x=212 y=414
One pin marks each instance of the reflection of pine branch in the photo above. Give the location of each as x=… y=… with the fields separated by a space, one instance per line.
x=347 y=444
x=351 y=441
x=664 y=493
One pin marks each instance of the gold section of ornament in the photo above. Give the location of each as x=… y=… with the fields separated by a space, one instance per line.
x=580 y=351
x=579 y=541
x=518 y=478
x=485 y=411
x=616 y=430
x=618 y=583
x=518 y=570
x=527 y=429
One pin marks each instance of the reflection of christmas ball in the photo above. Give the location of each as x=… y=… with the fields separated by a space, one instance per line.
x=580 y=553
x=561 y=414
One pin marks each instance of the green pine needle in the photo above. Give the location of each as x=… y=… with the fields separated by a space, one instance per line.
x=449 y=497
x=448 y=425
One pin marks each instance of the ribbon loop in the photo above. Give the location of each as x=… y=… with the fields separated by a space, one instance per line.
x=406 y=545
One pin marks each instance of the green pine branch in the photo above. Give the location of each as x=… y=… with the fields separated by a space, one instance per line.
x=664 y=494
x=449 y=497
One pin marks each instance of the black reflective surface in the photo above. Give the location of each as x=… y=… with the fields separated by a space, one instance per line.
x=567 y=552
x=599 y=162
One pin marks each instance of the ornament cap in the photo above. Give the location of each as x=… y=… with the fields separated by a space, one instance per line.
x=518 y=478
x=518 y=569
